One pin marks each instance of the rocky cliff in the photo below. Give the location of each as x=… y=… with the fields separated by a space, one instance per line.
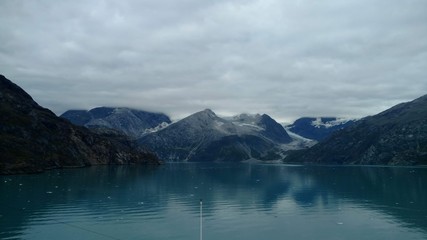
x=33 y=138
x=397 y=136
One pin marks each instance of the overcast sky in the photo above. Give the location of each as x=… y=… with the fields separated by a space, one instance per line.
x=286 y=58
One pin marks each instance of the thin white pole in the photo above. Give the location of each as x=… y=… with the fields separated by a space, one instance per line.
x=201 y=219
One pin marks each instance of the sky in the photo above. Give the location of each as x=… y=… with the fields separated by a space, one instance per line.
x=285 y=58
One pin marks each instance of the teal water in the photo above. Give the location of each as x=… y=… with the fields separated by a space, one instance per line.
x=240 y=201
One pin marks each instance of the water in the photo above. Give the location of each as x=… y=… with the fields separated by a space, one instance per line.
x=241 y=201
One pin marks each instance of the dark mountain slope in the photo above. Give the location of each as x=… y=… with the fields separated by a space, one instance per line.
x=397 y=136
x=33 y=138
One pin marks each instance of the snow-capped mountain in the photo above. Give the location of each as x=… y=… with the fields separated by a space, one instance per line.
x=318 y=128
x=131 y=122
x=204 y=136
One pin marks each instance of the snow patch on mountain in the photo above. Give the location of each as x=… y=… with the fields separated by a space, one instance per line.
x=318 y=128
x=319 y=122
x=159 y=127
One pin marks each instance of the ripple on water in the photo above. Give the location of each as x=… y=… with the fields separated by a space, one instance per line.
x=315 y=204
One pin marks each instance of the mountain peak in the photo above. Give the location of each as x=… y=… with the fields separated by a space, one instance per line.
x=246 y=118
x=206 y=113
x=15 y=91
x=15 y=96
x=274 y=130
x=209 y=111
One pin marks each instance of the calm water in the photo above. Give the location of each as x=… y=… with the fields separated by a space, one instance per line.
x=241 y=201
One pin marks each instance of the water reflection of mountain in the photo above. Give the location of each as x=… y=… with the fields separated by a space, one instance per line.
x=394 y=191
x=398 y=192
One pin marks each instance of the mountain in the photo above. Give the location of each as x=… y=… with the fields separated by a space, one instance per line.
x=204 y=136
x=33 y=138
x=397 y=136
x=318 y=128
x=134 y=123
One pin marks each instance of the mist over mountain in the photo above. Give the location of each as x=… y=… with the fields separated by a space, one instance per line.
x=131 y=122
x=397 y=136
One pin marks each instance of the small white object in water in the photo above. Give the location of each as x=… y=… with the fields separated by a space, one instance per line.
x=340 y=223
x=49 y=192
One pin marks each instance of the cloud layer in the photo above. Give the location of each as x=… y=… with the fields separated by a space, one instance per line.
x=285 y=58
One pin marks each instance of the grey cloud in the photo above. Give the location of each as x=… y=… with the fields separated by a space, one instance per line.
x=285 y=58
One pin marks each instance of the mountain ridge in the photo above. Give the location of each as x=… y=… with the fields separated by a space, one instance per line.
x=396 y=136
x=132 y=122
x=33 y=138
